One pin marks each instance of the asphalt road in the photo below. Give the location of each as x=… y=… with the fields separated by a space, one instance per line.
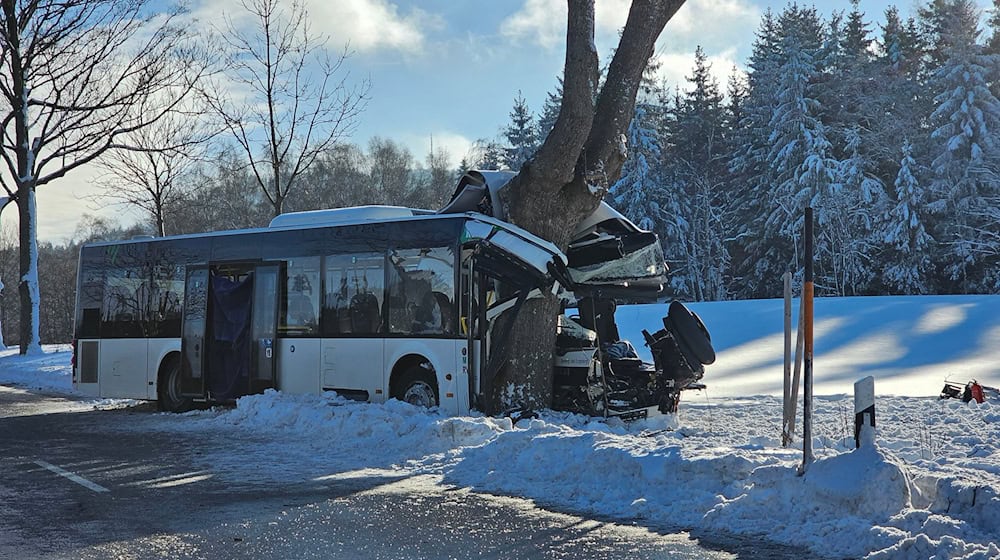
x=75 y=485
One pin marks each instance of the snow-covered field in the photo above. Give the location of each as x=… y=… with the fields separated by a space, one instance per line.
x=929 y=489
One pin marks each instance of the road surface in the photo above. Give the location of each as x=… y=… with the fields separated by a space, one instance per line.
x=75 y=485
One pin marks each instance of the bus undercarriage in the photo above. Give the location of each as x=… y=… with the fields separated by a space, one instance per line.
x=598 y=374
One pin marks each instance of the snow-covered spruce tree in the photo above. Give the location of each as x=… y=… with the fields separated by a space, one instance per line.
x=908 y=245
x=751 y=177
x=850 y=87
x=637 y=193
x=76 y=78
x=993 y=42
x=800 y=158
x=966 y=150
x=853 y=99
x=853 y=214
x=897 y=104
x=489 y=154
x=696 y=163
x=550 y=111
x=569 y=175
x=521 y=134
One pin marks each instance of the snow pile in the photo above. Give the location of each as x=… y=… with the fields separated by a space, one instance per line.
x=838 y=506
x=49 y=372
x=930 y=488
x=716 y=466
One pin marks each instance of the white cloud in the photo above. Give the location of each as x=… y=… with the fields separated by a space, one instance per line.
x=368 y=25
x=676 y=66
x=373 y=24
x=419 y=144
x=610 y=16
x=707 y=22
x=542 y=22
x=714 y=18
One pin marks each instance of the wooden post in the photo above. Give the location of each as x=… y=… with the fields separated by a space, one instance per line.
x=787 y=405
x=793 y=397
x=864 y=412
x=807 y=362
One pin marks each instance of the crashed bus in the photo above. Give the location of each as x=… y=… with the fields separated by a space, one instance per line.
x=374 y=302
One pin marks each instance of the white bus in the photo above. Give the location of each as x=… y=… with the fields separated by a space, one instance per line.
x=371 y=302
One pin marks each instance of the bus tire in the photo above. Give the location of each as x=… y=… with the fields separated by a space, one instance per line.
x=691 y=332
x=417 y=386
x=168 y=394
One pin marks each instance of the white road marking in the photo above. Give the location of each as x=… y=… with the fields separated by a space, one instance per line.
x=74 y=477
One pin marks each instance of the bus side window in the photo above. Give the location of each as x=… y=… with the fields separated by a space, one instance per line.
x=301 y=298
x=353 y=294
x=422 y=291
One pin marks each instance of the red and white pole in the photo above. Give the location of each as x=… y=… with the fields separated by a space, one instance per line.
x=807 y=365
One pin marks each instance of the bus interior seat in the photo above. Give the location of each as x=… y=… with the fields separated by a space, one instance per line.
x=425 y=320
x=364 y=313
x=300 y=310
x=447 y=312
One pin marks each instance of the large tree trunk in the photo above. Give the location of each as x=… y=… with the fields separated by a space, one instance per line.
x=566 y=180
x=27 y=286
x=30 y=341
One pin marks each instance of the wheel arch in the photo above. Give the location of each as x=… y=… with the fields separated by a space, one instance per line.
x=404 y=364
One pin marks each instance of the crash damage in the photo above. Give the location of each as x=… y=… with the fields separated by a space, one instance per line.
x=610 y=260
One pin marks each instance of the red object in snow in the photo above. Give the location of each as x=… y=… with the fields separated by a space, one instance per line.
x=976 y=392
x=971 y=391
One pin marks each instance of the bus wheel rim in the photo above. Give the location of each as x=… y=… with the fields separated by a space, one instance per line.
x=420 y=394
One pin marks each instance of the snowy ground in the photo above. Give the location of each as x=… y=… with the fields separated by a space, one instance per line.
x=931 y=487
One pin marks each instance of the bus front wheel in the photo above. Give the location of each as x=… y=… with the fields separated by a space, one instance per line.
x=169 y=396
x=418 y=387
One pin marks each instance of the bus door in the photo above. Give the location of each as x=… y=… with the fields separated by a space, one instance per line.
x=193 y=332
x=264 y=327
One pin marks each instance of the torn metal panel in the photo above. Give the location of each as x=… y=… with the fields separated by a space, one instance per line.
x=607 y=251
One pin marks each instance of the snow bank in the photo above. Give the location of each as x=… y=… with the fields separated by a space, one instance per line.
x=49 y=371
x=929 y=489
x=716 y=466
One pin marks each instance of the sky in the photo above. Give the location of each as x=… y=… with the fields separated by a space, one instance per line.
x=448 y=72
x=929 y=486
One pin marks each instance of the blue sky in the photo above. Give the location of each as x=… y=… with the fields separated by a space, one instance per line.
x=452 y=68
x=457 y=77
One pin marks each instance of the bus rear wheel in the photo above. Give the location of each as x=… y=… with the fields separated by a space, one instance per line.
x=168 y=395
x=418 y=387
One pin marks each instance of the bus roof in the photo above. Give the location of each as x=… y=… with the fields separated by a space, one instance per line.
x=336 y=217
x=350 y=215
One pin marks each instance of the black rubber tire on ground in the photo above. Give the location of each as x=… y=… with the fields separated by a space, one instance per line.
x=417 y=386
x=690 y=331
x=168 y=394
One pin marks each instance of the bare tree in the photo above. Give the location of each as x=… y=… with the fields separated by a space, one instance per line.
x=295 y=100
x=440 y=180
x=567 y=178
x=4 y=201
x=227 y=196
x=77 y=76
x=150 y=175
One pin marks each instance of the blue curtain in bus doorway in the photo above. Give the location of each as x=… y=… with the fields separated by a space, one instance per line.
x=229 y=354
